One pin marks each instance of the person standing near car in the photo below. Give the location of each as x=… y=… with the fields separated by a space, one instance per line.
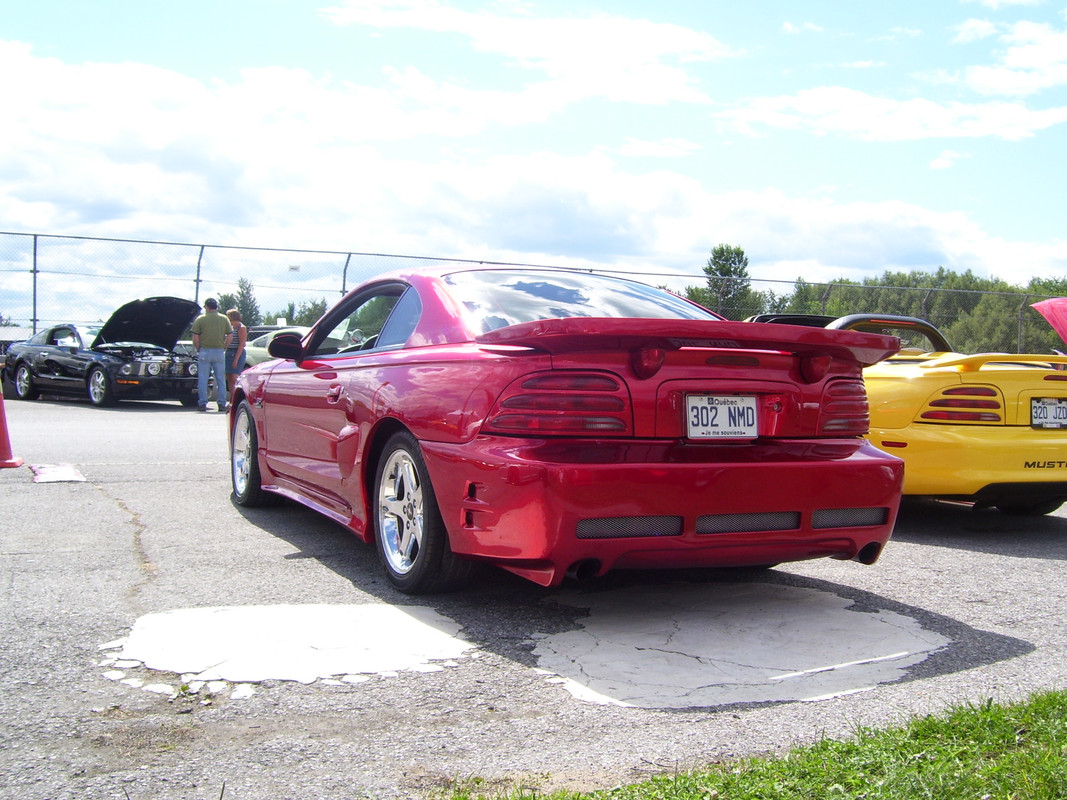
x=235 y=352
x=211 y=336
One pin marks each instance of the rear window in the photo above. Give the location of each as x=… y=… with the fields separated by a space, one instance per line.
x=498 y=298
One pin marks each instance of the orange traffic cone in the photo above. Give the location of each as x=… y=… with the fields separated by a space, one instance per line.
x=6 y=459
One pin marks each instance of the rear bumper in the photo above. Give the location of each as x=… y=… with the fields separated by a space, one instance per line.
x=541 y=508
x=962 y=460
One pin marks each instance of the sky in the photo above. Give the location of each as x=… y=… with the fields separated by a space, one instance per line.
x=828 y=139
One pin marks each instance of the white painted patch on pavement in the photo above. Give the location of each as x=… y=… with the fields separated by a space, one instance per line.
x=55 y=473
x=689 y=646
x=302 y=643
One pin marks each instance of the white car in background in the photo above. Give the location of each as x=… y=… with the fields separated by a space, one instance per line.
x=256 y=350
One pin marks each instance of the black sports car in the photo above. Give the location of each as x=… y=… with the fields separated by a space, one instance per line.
x=131 y=357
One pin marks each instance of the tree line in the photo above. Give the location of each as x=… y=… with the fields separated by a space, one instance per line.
x=976 y=314
x=306 y=314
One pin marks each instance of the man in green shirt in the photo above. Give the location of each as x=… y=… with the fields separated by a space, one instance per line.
x=211 y=336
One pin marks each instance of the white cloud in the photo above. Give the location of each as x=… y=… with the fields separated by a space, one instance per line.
x=848 y=112
x=804 y=27
x=662 y=148
x=596 y=55
x=973 y=30
x=996 y=5
x=285 y=158
x=946 y=159
x=1035 y=59
x=898 y=33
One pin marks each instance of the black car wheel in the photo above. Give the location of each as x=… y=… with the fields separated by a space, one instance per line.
x=244 y=461
x=99 y=387
x=411 y=537
x=24 y=385
x=1034 y=508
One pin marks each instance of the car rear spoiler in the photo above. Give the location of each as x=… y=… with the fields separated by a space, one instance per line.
x=597 y=333
x=973 y=363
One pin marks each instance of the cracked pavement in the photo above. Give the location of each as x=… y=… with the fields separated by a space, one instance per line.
x=132 y=600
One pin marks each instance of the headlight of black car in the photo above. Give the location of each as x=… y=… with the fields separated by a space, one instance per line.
x=152 y=368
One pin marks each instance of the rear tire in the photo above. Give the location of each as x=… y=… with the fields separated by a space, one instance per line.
x=25 y=389
x=1031 y=509
x=409 y=532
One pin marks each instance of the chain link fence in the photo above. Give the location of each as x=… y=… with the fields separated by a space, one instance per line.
x=46 y=279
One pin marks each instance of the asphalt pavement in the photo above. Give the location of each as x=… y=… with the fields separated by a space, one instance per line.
x=157 y=641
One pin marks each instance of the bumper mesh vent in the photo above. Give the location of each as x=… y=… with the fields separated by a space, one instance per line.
x=749 y=523
x=629 y=527
x=849 y=517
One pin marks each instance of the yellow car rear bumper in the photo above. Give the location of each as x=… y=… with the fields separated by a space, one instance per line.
x=962 y=460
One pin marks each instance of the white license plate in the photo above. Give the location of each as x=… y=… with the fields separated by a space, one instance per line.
x=721 y=416
x=1048 y=412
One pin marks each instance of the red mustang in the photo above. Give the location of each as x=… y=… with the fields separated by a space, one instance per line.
x=558 y=422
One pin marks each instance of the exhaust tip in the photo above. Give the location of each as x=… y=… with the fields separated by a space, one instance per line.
x=869 y=554
x=583 y=570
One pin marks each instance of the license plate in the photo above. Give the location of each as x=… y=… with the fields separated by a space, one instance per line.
x=1048 y=412
x=721 y=416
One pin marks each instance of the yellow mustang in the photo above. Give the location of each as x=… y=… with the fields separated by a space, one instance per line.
x=988 y=428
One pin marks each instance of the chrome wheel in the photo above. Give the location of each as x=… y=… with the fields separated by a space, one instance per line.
x=400 y=512
x=244 y=461
x=409 y=533
x=242 y=452
x=24 y=388
x=99 y=388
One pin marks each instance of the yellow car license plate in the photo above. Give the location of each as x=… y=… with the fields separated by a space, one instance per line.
x=1048 y=412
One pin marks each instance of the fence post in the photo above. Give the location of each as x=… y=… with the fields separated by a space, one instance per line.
x=33 y=322
x=196 y=281
x=824 y=298
x=344 y=275
x=1022 y=309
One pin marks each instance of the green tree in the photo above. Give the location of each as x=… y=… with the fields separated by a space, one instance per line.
x=288 y=314
x=246 y=303
x=227 y=301
x=728 y=291
x=309 y=312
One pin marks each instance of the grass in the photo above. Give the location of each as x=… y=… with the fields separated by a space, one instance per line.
x=973 y=752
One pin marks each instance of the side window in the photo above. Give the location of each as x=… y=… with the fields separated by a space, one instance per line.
x=359 y=329
x=402 y=321
x=64 y=337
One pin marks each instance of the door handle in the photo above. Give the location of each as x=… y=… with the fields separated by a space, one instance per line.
x=333 y=394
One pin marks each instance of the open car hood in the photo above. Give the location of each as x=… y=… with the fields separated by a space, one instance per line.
x=1055 y=311
x=155 y=320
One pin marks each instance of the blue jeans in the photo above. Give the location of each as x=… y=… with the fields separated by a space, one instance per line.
x=211 y=359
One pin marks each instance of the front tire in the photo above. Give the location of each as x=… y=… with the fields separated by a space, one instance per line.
x=409 y=533
x=25 y=389
x=99 y=388
x=244 y=461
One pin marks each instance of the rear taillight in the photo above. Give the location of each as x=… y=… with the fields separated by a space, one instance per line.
x=844 y=408
x=561 y=404
x=965 y=404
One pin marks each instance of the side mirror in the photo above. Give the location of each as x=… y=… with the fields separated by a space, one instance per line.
x=286 y=345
